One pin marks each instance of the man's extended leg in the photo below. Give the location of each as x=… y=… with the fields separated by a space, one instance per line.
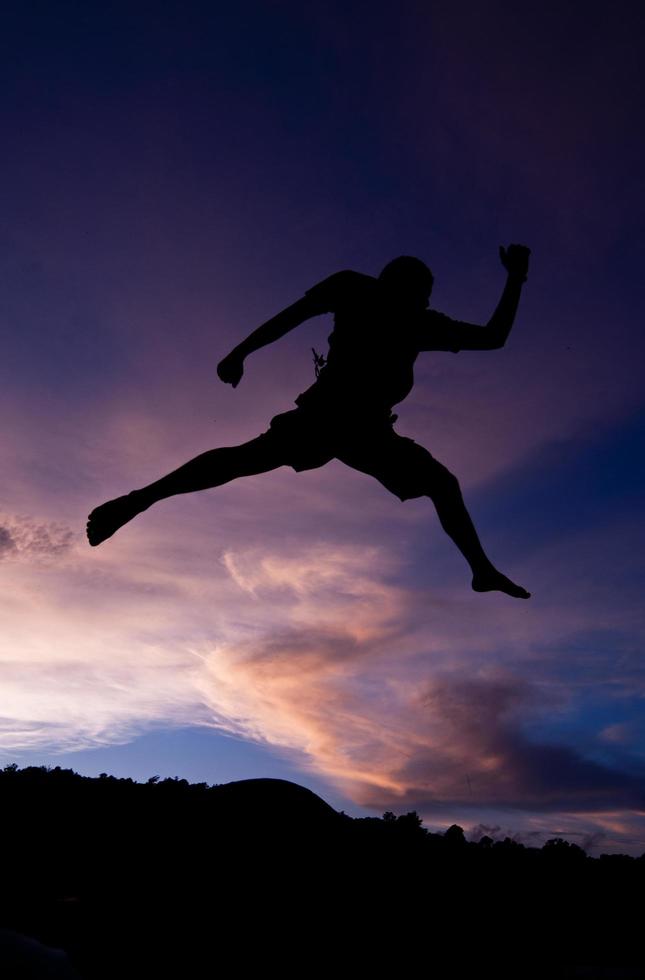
x=408 y=470
x=210 y=469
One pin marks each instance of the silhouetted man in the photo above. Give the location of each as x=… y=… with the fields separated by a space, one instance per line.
x=380 y=327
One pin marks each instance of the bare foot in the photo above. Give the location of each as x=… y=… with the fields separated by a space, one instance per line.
x=494 y=581
x=109 y=517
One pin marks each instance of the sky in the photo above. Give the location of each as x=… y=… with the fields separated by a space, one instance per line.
x=173 y=175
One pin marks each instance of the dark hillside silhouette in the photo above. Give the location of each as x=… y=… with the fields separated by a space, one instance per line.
x=133 y=879
x=381 y=325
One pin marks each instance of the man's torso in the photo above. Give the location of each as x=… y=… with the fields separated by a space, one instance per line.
x=372 y=348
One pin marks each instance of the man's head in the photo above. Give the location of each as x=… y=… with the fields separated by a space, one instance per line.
x=409 y=278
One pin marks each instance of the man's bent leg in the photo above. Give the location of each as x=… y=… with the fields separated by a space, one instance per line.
x=210 y=469
x=408 y=470
x=446 y=495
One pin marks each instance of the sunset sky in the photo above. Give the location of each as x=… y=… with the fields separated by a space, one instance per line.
x=172 y=175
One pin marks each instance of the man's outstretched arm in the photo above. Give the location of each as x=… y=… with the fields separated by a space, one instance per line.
x=468 y=336
x=231 y=368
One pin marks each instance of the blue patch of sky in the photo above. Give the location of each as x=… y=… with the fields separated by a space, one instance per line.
x=195 y=754
x=567 y=487
x=600 y=673
x=583 y=729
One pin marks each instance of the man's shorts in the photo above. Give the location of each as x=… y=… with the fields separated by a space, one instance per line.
x=305 y=440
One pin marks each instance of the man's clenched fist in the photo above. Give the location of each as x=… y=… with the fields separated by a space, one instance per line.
x=515 y=260
x=231 y=369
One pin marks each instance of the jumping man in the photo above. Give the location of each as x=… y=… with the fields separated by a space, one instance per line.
x=380 y=326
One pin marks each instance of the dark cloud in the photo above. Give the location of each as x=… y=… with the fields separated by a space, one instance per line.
x=294 y=649
x=530 y=838
x=592 y=841
x=479 y=756
x=27 y=539
x=7 y=544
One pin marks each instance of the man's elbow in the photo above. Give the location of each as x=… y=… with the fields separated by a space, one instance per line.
x=489 y=341
x=495 y=337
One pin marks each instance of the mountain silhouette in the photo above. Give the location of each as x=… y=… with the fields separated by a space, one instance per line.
x=262 y=875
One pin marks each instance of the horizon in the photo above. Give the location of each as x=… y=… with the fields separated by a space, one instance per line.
x=496 y=834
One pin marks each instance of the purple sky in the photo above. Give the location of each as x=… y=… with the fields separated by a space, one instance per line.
x=174 y=174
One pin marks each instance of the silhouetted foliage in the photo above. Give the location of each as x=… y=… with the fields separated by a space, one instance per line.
x=135 y=879
x=454 y=836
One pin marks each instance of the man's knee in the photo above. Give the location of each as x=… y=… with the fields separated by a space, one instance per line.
x=431 y=479
x=442 y=483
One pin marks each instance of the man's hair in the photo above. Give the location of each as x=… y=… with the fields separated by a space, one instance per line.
x=405 y=269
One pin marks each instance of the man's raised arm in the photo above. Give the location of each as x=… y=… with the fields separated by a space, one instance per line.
x=515 y=260
x=468 y=336
x=231 y=368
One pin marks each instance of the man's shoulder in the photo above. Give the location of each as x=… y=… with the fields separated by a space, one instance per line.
x=439 y=332
x=341 y=287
